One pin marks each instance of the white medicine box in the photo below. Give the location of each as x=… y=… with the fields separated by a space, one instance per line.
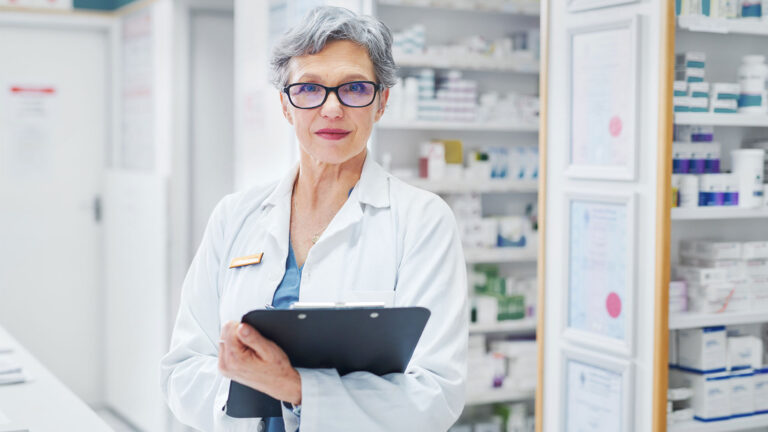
x=702 y=349
x=761 y=391
x=710 y=250
x=711 y=393
x=742 y=393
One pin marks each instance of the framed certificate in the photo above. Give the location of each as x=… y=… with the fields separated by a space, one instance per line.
x=583 y=5
x=598 y=392
x=599 y=297
x=603 y=101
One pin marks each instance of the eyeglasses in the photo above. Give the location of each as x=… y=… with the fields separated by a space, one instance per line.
x=355 y=94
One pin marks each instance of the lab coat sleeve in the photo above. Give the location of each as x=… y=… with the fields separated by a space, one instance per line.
x=189 y=371
x=429 y=396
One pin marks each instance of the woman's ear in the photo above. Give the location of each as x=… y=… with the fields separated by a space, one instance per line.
x=286 y=109
x=383 y=98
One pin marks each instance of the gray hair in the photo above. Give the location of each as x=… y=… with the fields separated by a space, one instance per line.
x=327 y=23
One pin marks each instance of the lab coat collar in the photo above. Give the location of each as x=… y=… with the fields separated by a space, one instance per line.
x=372 y=188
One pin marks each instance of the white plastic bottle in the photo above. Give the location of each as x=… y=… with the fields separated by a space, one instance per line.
x=748 y=167
x=752 y=76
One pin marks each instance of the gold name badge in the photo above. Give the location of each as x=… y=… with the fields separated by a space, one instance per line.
x=246 y=260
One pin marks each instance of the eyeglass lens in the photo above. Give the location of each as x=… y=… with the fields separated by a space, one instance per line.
x=356 y=94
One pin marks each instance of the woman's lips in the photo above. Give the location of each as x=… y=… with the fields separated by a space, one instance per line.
x=332 y=134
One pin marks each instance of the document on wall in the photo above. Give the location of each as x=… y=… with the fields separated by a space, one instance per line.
x=138 y=123
x=30 y=115
x=603 y=98
x=598 y=270
x=594 y=398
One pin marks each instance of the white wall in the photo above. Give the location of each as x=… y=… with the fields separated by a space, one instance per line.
x=644 y=187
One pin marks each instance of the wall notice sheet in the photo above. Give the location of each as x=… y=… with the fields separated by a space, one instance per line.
x=30 y=116
x=593 y=399
x=602 y=98
x=598 y=268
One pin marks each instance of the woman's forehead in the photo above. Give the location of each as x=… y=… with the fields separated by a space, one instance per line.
x=339 y=61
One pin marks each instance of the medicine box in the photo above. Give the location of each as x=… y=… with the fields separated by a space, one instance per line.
x=724 y=106
x=680 y=88
x=681 y=103
x=702 y=349
x=698 y=104
x=761 y=391
x=758 y=297
x=725 y=91
x=710 y=250
x=754 y=250
x=678 y=289
x=691 y=59
x=698 y=90
x=701 y=275
x=744 y=352
x=711 y=393
x=742 y=393
x=756 y=268
x=689 y=75
x=719 y=297
x=673 y=348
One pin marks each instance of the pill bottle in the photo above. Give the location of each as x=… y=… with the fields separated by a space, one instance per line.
x=689 y=191
x=752 y=75
x=748 y=165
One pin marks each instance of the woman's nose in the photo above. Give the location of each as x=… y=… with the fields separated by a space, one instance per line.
x=332 y=108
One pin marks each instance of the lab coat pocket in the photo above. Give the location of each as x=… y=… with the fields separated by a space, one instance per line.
x=378 y=296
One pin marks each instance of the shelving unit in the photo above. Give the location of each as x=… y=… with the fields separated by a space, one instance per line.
x=695 y=320
x=456 y=126
x=400 y=138
x=717 y=213
x=499 y=255
x=465 y=7
x=713 y=119
x=738 y=424
x=467 y=62
x=722 y=25
x=525 y=325
x=484 y=186
x=499 y=396
x=724 y=42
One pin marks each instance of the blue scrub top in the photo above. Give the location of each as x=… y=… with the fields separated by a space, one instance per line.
x=286 y=294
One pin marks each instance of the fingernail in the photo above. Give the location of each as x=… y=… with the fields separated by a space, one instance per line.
x=244 y=330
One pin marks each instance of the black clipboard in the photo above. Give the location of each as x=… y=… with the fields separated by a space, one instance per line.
x=380 y=341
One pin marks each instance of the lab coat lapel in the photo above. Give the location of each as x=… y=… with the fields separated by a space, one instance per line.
x=278 y=209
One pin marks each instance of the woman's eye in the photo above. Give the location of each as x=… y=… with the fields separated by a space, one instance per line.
x=357 y=88
x=308 y=88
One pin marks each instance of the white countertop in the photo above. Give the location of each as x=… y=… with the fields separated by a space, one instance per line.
x=44 y=403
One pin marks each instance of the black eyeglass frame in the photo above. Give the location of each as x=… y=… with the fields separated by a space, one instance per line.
x=328 y=90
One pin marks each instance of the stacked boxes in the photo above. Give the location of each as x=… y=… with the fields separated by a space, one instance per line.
x=724 y=276
x=499 y=298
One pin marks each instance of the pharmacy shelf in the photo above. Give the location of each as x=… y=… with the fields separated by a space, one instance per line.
x=738 y=424
x=500 y=396
x=687 y=320
x=461 y=7
x=525 y=325
x=466 y=186
x=467 y=62
x=697 y=23
x=718 y=213
x=713 y=119
x=499 y=255
x=457 y=126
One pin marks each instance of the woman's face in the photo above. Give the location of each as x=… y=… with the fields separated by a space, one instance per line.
x=333 y=133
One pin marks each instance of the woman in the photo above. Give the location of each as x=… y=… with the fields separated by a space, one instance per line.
x=336 y=228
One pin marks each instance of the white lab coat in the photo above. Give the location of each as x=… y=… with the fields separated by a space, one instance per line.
x=390 y=242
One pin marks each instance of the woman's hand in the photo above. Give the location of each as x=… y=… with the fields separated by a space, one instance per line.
x=250 y=359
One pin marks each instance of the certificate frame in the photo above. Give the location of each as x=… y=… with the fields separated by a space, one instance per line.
x=625 y=345
x=585 y=5
x=616 y=125
x=621 y=367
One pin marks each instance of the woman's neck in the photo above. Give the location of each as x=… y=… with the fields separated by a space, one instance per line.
x=319 y=183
